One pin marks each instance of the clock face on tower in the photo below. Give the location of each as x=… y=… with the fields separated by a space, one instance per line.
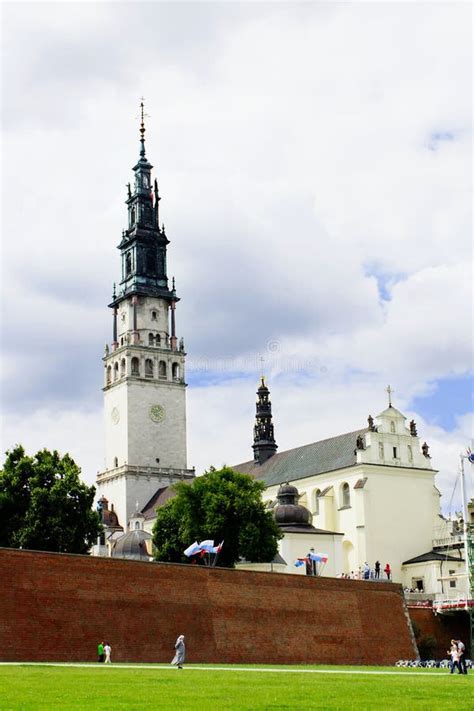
x=115 y=416
x=157 y=413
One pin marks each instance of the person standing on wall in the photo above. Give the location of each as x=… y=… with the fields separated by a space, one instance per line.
x=100 y=652
x=108 y=652
x=388 y=572
x=377 y=569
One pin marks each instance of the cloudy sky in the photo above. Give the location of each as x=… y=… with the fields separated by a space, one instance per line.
x=314 y=162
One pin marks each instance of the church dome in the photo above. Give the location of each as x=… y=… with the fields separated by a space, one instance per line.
x=132 y=545
x=289 y=512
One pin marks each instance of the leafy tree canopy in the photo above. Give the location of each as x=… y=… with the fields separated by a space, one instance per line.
x=44 y=505
x=221 y=505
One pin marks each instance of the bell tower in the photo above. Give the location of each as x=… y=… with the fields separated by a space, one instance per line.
x=264 y=445
x=144 y=365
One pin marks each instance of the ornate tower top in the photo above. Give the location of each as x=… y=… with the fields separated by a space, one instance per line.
x=144 y=242
x=264 y=445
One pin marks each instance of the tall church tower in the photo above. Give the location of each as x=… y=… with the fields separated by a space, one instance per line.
x=264 y=445
x=144 y=381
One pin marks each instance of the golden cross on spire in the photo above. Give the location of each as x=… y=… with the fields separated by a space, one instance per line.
x=389 y=392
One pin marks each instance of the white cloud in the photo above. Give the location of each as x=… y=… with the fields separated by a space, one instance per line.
x=295 y=149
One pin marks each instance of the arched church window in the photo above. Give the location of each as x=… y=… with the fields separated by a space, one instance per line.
x=128 y=264
x=115 y=462
x=133 y=216
x=137 y=525
x=109 y=375
x=135 y=366
x=116 y=371
x=153 y=315
x=316 y=496
x=148 y=368
x=345 y=495
x=151 y=339
x=392 y=427
x=162 y=370
x=175 y=371
x=157 y=340
x=122 y=368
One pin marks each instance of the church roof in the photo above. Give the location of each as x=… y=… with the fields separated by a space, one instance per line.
x=160 y=497
x=432 y=556
x=310 y=459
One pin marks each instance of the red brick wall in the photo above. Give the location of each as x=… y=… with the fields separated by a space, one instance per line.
x=57 y=607
x=443 y=628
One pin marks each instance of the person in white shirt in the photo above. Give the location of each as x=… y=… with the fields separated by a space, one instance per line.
x=454 y=654
x=108 y=652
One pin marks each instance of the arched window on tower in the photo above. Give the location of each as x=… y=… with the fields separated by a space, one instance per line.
x=135 y=366
x=175 y=371
x=153 y=315
x=392 y=427
x=109 y=374
x=345 y=495
x=116 y=462
x=151 y=339
x=158 y=340
x=162 y=370
x=116 y=371
x=148 y=368
x=128 y=264
x=122 y=368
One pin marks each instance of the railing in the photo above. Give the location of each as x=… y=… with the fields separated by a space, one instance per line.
x=148 y=471
x=448 y=541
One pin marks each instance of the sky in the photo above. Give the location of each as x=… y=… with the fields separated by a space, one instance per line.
x=315 y=168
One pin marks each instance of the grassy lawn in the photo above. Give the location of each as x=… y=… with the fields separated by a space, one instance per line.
x=117 y=688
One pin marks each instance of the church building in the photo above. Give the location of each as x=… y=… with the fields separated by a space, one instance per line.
x=144 y=365
x=369 y=495
x=363 y=496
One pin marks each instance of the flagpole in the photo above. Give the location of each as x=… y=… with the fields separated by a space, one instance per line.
x=462 y=457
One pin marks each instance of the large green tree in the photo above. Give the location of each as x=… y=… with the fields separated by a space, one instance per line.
x=44 y=505
x=221 y=505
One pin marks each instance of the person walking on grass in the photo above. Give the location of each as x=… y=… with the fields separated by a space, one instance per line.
x=462 y=656
x=178 y=659
x=100 y=652
x=108 y=652
x=454 y=654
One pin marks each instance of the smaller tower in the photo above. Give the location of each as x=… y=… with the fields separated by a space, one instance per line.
x=264 y=445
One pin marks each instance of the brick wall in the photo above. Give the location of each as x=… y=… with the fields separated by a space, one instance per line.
x=443 y=628
x=57 y=607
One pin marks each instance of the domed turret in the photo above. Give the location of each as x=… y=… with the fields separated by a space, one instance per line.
x=289 y=512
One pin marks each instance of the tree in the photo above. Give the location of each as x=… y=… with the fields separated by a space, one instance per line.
x=44 y=505
x=221 y=505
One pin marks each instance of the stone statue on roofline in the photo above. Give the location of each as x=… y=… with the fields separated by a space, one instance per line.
x=413 y=430
x=372 y=427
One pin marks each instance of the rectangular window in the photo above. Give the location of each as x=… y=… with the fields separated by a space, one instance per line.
x=394 y=452
x=452 y=583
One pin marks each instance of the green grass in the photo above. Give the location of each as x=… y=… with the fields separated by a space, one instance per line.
x=118 y=688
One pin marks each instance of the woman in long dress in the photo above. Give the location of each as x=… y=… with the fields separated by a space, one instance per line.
x=178 y=658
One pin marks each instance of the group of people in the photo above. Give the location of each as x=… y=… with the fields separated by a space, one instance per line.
x=458 y=656
x=365 y=572
x=103 y=652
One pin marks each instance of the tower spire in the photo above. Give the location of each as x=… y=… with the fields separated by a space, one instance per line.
x=264 y=445
x=142 y=127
